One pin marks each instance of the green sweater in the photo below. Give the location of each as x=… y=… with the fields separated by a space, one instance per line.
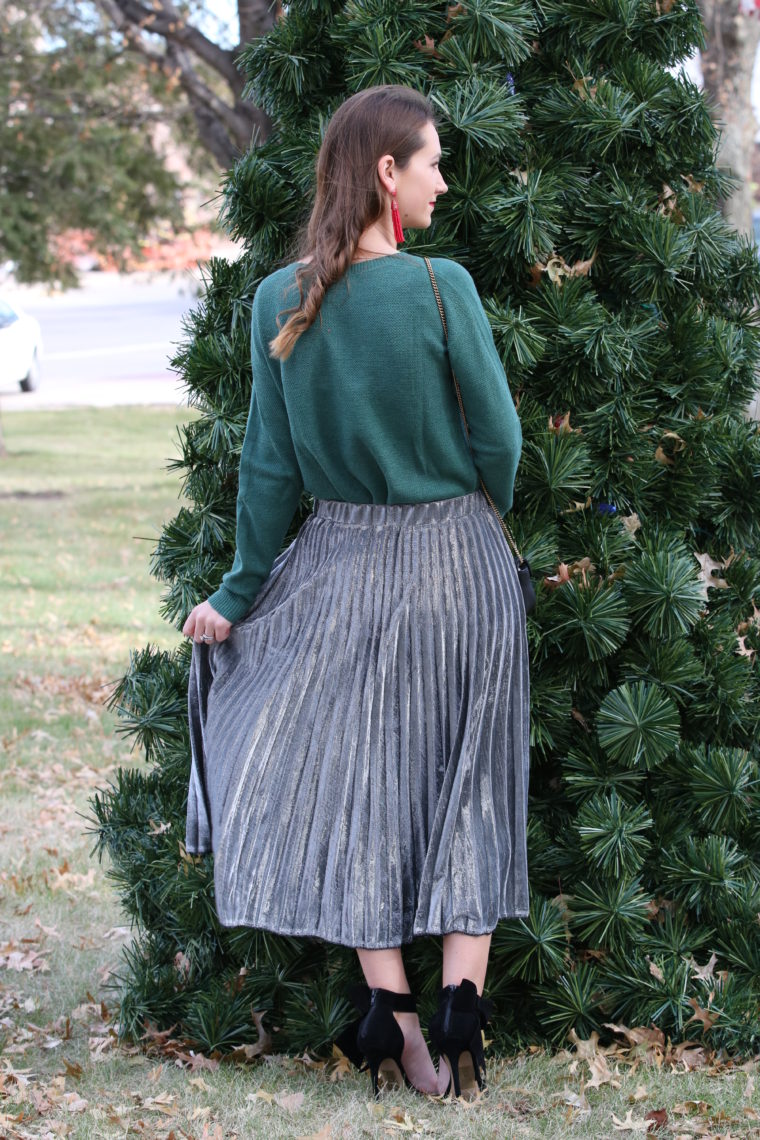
x=364 y=409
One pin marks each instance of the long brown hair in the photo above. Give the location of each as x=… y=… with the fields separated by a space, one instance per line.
x=387 y=119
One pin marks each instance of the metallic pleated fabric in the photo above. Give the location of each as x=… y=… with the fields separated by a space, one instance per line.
x=360 y=740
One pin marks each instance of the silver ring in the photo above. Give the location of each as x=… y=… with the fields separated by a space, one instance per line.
x=207 y=637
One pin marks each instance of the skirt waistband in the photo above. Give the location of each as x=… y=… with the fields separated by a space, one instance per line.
x=400 y=514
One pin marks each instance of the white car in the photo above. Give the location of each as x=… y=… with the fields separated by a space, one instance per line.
x=20 y=347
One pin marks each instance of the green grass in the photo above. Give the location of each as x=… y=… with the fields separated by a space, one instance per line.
x=83 y=495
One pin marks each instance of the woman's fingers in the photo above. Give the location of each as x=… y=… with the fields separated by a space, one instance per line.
x=205 y=625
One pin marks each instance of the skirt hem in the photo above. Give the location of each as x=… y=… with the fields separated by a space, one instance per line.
x=405 y=941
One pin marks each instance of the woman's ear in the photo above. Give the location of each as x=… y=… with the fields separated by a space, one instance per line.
x=385 y=171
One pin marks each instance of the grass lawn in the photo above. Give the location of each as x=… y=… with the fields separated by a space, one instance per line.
x=83 y=495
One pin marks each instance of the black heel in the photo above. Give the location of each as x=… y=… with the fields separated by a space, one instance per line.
x=377 y=1036
x=456 y=1030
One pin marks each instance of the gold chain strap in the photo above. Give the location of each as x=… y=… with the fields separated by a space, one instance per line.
x=507 y=532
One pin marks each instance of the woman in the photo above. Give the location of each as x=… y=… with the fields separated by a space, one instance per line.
x=359 y=703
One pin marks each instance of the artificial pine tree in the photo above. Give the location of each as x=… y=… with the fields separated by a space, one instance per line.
x=583 y=197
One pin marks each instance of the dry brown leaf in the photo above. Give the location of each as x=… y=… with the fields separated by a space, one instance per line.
x=291 y=1102
x=575 y=1100
x=639 y=1035
x=309 y=1062
x=691 y=1056
x=50 y=931
x=325 y=1133
x=658 y=1118
x=704 y=972
x=629 y=1124
x=401 y=1121
x=577 y=715
x=584 y=85
x=691 y=1108
x=261 y=1095
x=217 y=1134
x=707 y=566
x=640 y=1093
x=558 y=579
x=655 y=971
x=600 y=1073
x=195 y=1061
x=73 y=1102
x=705 y=1016
x=585 y=1049
x=62 y=879
x=557 y=268
x=743 y=649
x=18 y=956
x=165 y=1102
x=199 y=1083
x=427 y=46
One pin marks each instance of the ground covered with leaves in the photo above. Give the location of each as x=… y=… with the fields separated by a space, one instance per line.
x=83 y=496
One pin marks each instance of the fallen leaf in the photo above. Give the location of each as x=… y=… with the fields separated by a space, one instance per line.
x=575 y=1100
x=74 y=1102
x=291 y=1102
x=658 y=1117
x=639 y=1035
x=629 y=1124
x=164 y=1102
x=199 y=1083
x=600 y=1073
x=340 y=1066
x=325 y=1133
x=641 y=1093
x=585 y=1048
x=691 y=1108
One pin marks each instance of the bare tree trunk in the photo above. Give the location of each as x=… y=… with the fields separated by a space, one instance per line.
x=727 y=63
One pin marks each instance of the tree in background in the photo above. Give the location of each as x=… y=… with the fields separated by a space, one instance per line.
x=583 y=195
x=732 y=35
x=171 y=37
x=76 y=147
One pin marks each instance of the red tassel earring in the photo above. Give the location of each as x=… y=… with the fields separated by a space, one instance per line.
x=398 y=233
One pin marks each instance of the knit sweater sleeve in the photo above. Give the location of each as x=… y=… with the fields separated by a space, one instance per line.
x=495 y=433
x=270 y=482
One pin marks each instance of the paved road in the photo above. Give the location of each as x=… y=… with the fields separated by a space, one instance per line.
x=107 y=343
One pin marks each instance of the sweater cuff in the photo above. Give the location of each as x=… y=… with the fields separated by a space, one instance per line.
x=229 y=605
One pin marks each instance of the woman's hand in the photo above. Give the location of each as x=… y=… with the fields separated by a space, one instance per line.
x=205 y=625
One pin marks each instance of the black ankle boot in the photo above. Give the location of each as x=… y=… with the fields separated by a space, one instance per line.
x=377 y=1036
x=456 y=1030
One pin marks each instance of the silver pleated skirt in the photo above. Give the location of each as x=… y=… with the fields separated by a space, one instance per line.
x=360 y=740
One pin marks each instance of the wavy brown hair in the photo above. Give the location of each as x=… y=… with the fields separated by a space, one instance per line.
x=387 y=119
